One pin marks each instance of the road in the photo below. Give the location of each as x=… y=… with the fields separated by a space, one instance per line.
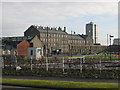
x=21 y=88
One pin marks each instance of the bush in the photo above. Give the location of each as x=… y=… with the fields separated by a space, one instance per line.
x=74 y=73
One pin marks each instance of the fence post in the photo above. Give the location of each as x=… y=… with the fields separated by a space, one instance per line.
x=63 y=64
x=83 y=59
x=31 y=64
x=2 y=62
x=16 y=62
x=100 y=64
x=80 y=66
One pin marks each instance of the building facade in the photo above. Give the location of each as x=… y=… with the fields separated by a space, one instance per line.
x=56 y=40
x=34 y=42
x=116 y=41
x=52 y=38
x=91 y=30
x=22 y=48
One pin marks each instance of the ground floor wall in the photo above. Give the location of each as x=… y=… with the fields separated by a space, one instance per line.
x=87 y=49
x=79 y=49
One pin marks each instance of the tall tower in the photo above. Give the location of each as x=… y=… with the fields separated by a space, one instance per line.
x=91 y=30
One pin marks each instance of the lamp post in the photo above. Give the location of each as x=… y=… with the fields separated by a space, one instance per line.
x=107 y=39
x=71 y=44
x=110 y=45
x=107 y=42
x=47 y=52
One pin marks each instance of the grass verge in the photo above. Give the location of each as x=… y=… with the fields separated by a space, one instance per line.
x=56 y=83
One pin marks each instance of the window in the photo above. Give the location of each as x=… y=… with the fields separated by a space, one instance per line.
x=31 y=44
x=31 y=52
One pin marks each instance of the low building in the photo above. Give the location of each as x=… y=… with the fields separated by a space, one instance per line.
x=116 y=41
x=35 y=53
x=22 y=47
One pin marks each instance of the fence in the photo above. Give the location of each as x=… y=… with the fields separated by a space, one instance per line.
x=81 y=63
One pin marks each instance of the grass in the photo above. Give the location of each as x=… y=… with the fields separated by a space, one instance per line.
x=91 y=57
x=98 y=55
x=101 y=56
x=56 y=83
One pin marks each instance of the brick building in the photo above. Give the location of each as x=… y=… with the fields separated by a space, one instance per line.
x=22 y=48
x=56 y=39
x=59 y=39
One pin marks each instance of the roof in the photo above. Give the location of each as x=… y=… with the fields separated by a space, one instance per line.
x=50 y=30
x=75 y=36
x=16 y=39
x=24 y=43
x=83 y=36
x=117 y=39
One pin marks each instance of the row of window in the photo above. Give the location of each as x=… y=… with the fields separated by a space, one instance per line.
x=58 y=38
x=54 y=40
x=57 y=45
x=53 y=35
x=76 y=41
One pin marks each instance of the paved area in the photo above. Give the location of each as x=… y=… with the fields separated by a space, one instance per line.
x=28 y=88
x=21 y=88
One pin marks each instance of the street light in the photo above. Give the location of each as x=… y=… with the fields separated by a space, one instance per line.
x=71 y=43
x=47 y=52
x=107 y=42
x=110 y=45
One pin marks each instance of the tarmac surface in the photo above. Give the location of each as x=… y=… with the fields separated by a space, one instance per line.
x=5 y=87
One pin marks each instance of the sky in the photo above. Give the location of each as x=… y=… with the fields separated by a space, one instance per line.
x=18 y=16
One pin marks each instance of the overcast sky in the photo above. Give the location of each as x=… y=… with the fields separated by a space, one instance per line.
x=18 y=16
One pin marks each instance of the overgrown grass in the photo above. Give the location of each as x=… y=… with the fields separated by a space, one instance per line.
x=56 y=83
x=113 y=56
x=98 y=55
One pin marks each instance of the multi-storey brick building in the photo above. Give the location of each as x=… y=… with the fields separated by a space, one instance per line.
x=56 y=40
x=59 y=39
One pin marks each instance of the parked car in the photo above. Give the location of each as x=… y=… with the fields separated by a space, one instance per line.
x=118 y=53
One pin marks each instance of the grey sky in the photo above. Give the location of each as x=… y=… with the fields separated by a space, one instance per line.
x=18 y=16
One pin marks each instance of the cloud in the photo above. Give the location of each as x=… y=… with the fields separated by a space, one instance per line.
x=18 y=16
x=55 y=11
x=64 y=8
x=60 y=0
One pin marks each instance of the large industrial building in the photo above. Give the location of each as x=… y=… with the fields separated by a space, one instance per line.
x=57 y=40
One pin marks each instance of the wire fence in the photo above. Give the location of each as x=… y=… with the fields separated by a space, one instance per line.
x=81 y=63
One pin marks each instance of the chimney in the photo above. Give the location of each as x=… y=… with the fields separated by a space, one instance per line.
x=59 y=28
x=64 y=29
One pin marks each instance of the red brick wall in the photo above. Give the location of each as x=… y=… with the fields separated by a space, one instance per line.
x=22 y=48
